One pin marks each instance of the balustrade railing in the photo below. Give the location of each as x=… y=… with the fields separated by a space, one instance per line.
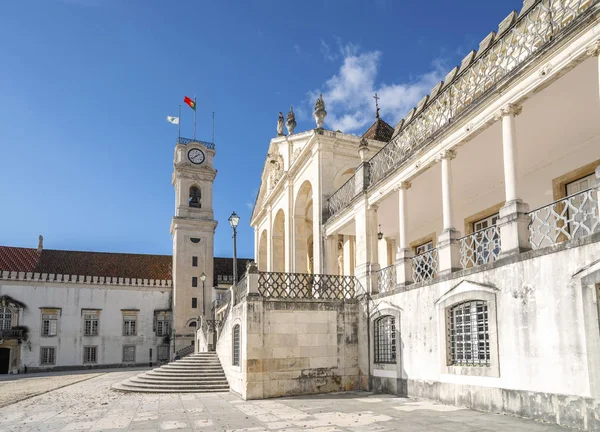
x=12 y=334
x=307 y=286
x=572 y=217
x=481 y=247
x=531 y=32
x=425 y=266
x=342 y=197
x=240 y=290
x=186 y=141
x=386 y=279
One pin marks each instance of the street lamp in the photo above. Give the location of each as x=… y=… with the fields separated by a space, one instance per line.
x=234 y=220
x=203 y=278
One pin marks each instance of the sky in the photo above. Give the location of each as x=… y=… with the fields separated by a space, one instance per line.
x=86 y=153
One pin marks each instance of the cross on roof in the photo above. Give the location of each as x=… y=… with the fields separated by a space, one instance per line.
x=376 y=105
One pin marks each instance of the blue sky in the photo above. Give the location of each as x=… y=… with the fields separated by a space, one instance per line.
x=86 y=85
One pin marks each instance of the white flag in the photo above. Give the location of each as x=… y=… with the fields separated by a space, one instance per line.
x=174 y=120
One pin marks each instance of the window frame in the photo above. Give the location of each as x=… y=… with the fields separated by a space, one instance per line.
x=160 y=348
x=129 y=325
x=163 y=325
x=91 y=320
x=391 y=344
x=236 y=348
x=194 y=281
x=126 y=347
x=47 y=330
x=459 y=342
x=53 y=350
x=6 y=315
x=95 y=350
x=194 y=261
x=194 y=302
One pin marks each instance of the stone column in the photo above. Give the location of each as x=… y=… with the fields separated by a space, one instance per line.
x=448 y=248
x=513 y=221
x=366 y=245
x=288 y=230
x=270 y=240
x=317 y=195
x=256 y=245
x=331 y=254
x=348 y=256
x=404 y=254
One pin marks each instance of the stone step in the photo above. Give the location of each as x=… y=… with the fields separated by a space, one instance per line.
x=121 y=387
x=134 y=384
x=182 y=378
x=191 y=368
x=180 y=384
x=186 y=375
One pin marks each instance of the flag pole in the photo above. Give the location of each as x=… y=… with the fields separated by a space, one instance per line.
x=195 y=108
x=179 y=125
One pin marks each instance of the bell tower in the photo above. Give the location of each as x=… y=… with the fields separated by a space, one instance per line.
x=192 y=230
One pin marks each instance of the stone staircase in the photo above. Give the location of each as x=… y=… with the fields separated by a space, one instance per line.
x=196 y=373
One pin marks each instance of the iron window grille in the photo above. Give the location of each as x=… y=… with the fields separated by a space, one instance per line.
x=129 y=354
x=90 y=325
x=48 y=356
x=90 y=354
x=236 y=345
x=469 y=334
x=163 y=352
x=49 y=324
x=129 y=325
x=385 y=340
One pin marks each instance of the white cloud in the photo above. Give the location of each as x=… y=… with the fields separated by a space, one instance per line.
x=348 y=94
x=297 y=48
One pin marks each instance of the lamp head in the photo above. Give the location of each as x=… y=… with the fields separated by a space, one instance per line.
x=234 y=220
x=203 y=277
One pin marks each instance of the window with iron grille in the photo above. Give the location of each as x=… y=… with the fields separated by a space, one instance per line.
x=129 y=354
x=48 y=356
x=90 y=324
x=90 y=354
x=163 y=325
x=236 y=345
x=469 y=334
x=385 y=339
x=49 y=324
x=194 y=302
x=163 y=352
x=5 y=318
x=129 y=325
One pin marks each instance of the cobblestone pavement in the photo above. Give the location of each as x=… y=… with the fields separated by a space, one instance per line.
x=91 y=405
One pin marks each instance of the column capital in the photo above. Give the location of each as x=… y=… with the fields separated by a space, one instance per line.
x=594 y=49
x=508 y=110
x=446 y=154
x=402 y=185
x=373 y=207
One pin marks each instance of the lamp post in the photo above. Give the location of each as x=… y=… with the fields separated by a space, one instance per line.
x=203 y=278
x=234 y=220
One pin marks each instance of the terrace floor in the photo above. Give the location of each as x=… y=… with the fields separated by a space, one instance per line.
x=91 y=405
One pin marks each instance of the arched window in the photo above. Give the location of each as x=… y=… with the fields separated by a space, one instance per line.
x=192 y=324
x=385 y=340
x=236 y=346
x=5 y=318
x=469 y=334
x=195 y=197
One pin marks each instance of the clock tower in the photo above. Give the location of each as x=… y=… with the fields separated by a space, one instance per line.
x=192 y=230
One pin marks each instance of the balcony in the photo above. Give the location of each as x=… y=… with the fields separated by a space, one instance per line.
x=186 y=141
x=14 y=333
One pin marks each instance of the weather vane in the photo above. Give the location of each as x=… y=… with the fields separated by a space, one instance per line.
x=376 y=105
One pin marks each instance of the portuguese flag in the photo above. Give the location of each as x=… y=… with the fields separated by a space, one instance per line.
x=190 y=102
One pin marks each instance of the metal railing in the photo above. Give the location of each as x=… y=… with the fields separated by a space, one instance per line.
x=481 y=247
x=425 y=266
x=185 y=351
x=342 y=197
x=572 y=217
x=529 y=35
x=186 y=141
x=12 y=334
x=240 y=290
x=386 y=279
x=306 y=286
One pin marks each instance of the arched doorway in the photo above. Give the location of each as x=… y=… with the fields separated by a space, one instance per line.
x=262 y=251
x=278 y=238
x=303 y=229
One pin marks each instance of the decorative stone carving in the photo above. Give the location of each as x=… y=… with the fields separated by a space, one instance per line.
x=546 y=69
x=296 y=154
x=593 y=49
x=510 y=109
x=403 y=185
x=280 y=125
x=275 y=167
x=446 y=154
x=319 y=113
x=290 y=122
x=363 y=149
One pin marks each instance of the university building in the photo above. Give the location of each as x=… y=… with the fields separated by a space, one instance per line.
x=453 y=256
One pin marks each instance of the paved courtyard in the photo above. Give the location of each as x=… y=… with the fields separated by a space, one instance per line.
x=91 y=405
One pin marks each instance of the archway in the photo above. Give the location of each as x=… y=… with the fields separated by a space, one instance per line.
x=303 y=228
x=262 y=251
x=278 y=238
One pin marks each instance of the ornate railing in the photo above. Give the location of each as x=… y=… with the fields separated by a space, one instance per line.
x=480 y=247
x=386 y=279
x=342 y=197
x=12 y=334
x=572 y=217
x=425 y=266
x=185 y=141
x=307 y=286
x=240 y=290
x=187 y=350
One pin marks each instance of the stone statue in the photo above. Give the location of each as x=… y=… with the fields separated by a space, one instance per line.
x=290 y=122
x=280 y=125
x=319 y=114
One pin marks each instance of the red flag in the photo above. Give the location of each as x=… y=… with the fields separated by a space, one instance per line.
x=190 y=102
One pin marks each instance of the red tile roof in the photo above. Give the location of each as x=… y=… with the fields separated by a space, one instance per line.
x=380 y=131
x=85 y=263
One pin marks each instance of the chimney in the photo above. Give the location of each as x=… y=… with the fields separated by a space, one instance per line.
x=40 y=244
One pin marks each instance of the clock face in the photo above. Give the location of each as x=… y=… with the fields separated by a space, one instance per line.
x=196 y=156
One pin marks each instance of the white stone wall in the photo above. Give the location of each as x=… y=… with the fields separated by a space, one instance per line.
x=236 y=375
x=71 y=299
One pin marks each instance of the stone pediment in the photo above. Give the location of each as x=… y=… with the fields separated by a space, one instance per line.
x=466 y=286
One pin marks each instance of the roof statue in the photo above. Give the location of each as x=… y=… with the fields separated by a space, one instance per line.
x=280 y=125
x=290 y=122
x=319 y=113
